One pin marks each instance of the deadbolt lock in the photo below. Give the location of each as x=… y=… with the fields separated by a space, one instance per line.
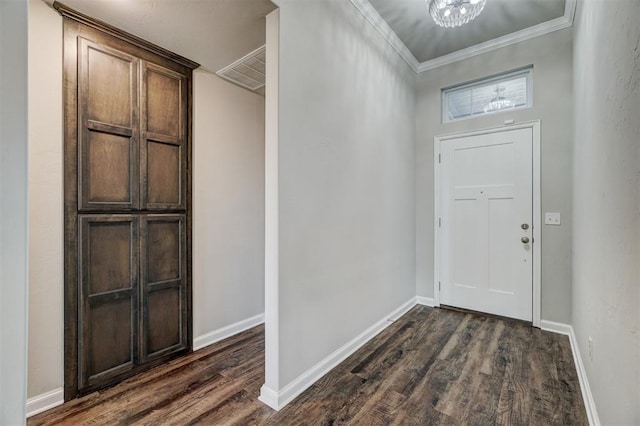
x=524 y=226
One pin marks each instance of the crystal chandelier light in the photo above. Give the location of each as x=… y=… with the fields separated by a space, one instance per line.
x=498 y=102
x=454 y=13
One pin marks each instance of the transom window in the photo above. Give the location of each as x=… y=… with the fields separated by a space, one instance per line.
x=499 y=93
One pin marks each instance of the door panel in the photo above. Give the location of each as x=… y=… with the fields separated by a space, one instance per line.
x=109 y=253
x=486 y=195
x=110 y=350
x=468 y=243
x=108 y=116
x=164 y=150
x=163 y=173
x=501 y=273
x=164 y=285
x=111 y=78
x=482 y=165
x=164 y=248
x=108 y=169
x=164 y=318
x=108 y=295
x=164 y=101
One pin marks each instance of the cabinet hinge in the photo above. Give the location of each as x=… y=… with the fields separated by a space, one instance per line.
x=439 y=222
x=439 y=158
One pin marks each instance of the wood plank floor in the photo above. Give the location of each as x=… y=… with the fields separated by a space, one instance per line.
x=430 y=367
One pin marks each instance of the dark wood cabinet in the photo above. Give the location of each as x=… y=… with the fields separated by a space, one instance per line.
x=164 y=157
x=108 y=121
x=108 y=295
x=127 y=204
x=164 y=319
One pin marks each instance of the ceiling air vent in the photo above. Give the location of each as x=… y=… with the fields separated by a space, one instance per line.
x=247 y=71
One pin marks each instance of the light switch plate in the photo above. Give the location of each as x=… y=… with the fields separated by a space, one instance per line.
x=552 y=219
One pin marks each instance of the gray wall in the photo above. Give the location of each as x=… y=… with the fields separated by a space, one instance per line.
x=228 y=203
x=552 y=105
x=606 y=248
x=346 y=181
x=13 y=210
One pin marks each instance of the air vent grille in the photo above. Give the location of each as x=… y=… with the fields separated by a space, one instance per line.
x=247 y=71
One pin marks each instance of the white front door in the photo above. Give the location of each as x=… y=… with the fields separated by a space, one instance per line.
x=486 y=223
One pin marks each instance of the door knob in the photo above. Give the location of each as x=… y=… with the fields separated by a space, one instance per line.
x=525 y=240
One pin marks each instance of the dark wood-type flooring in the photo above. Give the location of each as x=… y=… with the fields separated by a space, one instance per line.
x=430 y=367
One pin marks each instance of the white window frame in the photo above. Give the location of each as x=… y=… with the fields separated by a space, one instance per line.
x=493 y=79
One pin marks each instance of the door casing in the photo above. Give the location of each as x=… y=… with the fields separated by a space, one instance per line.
x=438 y=251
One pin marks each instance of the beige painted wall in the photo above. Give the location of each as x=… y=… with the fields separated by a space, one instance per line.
x=228 y=202
x=45 y=200
x=552 y=105
x=606 y=248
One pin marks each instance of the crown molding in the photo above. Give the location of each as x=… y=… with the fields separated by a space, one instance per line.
x=543 y=28
x=374 y=18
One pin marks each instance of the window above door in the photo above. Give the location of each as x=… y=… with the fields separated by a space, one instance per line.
x=490 y=95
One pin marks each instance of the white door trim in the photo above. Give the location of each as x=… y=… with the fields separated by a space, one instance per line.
x=535 y=130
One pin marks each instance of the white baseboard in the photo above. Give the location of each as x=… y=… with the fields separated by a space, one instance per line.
x=269 y=397
x=45 y=401
x=426 y=301
x=587 y=396
x=278 y=399
x=228 y=331
x=556 y=327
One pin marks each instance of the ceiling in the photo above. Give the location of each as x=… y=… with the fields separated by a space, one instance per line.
x=408 y=27
x=213 y=33
x=216 y=33
x=411 y=22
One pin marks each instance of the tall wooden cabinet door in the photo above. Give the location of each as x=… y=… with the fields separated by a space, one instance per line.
x=108 y=109
x=164 y=296
x=163 y=122
x=108 y=297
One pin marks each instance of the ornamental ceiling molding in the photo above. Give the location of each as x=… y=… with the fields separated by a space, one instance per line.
x=374 y=18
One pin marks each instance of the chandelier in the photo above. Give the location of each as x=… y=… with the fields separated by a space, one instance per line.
x=454 y=13
x=498 y=102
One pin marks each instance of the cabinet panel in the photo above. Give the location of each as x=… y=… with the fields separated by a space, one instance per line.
x=164 y=162
x=107 y=163
x=108 y=296
x=108 y=128
x=110 y=339
x=164 y=284
x=164 y=101
x=164 y=243
x=109 y=255
x=110 y=84
x=163 y=153
x=164 y=319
